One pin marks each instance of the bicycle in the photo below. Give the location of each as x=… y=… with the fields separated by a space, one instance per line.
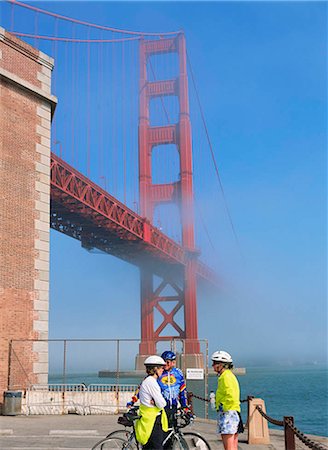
x=125 y=439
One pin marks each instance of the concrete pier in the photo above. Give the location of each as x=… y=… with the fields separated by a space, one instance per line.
x=82 y=432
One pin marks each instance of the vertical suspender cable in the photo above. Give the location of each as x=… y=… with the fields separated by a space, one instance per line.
x=36 y=16
x=79 y=50
x=12 y=17
x=88 y=105
x=108 y=147
x=114 y=123
x=135 y=90
x=132 y=165
x=54 y=77
x=213 y=156
x=101 y=174
x=73 y=97
x=123 y=123
x=66 y=119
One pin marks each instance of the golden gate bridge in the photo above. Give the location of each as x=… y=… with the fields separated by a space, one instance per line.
x=124 y=128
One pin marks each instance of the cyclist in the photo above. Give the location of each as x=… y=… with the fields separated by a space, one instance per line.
x=173 y=386
x=227 y=400
x=152 y=425
x=174 y=390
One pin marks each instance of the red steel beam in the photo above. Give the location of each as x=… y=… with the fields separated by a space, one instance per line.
x=76 y=196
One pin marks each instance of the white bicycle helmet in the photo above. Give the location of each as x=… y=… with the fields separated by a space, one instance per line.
x=221 y=356
x=154 y=360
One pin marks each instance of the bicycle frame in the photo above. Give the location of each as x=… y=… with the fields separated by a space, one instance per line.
x=175 y=434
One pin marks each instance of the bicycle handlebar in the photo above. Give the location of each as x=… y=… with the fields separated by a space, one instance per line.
x=186 y=417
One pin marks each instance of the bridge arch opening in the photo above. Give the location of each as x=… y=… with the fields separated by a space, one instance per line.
x=163 y=67
x=164 y=111
x=165 y=164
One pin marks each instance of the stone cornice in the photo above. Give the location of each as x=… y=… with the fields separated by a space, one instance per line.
x=38 y=56
x=34 y=90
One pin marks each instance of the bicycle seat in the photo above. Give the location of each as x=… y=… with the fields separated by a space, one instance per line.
x=124 y=421
x=128 y=417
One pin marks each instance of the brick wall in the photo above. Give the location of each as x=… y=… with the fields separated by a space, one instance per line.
x=26 y=106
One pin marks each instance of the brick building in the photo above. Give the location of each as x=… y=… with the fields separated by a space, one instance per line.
x=26 y=108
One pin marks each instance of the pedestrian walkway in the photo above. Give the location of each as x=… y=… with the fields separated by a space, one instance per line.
x=81 y=432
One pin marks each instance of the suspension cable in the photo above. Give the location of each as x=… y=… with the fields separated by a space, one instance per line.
x=89 y=24
x=204 y=226
x=196 y=203
x=168 y=121
x=68 y=39
x=212 y=155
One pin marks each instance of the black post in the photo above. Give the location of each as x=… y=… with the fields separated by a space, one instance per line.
x=289 y=434
x=9 y=363
x=64 y=362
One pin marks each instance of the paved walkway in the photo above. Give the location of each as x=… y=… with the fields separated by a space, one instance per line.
x=81 y=432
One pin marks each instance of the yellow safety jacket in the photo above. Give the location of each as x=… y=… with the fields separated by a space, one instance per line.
x=227 y=393
x=144 y=426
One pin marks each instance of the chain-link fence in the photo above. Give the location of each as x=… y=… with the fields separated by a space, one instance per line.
x=98 y=363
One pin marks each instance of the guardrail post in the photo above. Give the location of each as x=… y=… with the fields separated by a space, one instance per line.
x=249 y=398
x=258 y=430
x=289 y=434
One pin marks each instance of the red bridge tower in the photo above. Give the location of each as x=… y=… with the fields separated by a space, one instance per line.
x=180 y=192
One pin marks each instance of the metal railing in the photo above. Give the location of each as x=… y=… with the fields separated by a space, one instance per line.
x=61 y=398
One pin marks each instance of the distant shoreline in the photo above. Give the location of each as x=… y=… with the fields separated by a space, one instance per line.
x=131 y=373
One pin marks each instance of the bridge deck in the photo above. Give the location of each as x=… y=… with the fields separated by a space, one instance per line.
x=83 y=210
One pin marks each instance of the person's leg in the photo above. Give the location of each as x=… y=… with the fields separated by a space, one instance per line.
x=172 y=421
x=155 y=441
x=235 y=436
x=228 y=441
x=170 y=413
x=228 y=422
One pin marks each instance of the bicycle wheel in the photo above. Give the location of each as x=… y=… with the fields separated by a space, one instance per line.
x=195 y=441
x=177 y=442
x=125 y=434
x=112 y=443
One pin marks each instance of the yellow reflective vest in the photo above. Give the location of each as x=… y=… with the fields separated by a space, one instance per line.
x=228 y=394
x=144 y=426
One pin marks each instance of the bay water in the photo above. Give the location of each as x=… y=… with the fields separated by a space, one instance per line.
x=300 y=392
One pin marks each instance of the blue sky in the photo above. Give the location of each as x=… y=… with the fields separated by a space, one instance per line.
x=261 y=72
